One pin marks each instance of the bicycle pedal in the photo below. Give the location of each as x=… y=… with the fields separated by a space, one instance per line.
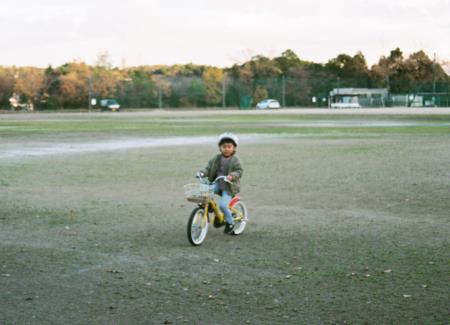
x=218 y=224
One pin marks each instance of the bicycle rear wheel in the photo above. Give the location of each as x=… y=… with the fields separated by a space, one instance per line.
x=197 y=226
x=239 y=225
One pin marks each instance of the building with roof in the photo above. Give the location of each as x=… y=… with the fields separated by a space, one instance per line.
x=358 y=97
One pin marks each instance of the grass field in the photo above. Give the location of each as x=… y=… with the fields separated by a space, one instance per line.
x=349 y=220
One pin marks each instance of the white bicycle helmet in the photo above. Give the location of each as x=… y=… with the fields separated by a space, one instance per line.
x=228 y=136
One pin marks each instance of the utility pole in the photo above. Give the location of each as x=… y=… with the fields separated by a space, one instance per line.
x=434 y=80
x=224 y=92
x=388 y=81
x=338 y=84
x=90 y=91
x=388 y=89
x=159 y=97
x=283 y=80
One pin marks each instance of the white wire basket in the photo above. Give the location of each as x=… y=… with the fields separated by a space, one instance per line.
x=197 y=192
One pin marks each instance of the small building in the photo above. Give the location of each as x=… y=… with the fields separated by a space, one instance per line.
x=358 y=97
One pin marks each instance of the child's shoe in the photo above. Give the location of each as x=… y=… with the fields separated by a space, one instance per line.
x=229 y=227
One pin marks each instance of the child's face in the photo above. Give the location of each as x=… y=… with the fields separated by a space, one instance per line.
x=227 y=149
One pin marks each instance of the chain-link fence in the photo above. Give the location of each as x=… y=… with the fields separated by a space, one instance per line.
x=191 y=92
x=158 y=91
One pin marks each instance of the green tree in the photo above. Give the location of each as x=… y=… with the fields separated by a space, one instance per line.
x=411 y=75
x=287 y=61
x=137 y=90
x=196 y=93
x=104 y=82
x=212 y=82
x=298 y=88
x=51 y=89
x=6 y=86
x=74 y=85
x=30 y=84
x=260 y=94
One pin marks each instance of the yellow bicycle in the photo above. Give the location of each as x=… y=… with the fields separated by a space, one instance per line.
x=202 y=193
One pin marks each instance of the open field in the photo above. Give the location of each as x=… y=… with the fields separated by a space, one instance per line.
x=349 y=219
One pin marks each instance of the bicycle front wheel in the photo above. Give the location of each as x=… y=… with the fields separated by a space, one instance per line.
x=197 y=226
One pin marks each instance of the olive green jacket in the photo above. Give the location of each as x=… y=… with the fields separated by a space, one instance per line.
x=234 y=169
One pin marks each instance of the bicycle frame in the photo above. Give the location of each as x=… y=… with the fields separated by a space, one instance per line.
x=212 y=204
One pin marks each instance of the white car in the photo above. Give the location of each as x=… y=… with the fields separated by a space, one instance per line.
x=268 y=104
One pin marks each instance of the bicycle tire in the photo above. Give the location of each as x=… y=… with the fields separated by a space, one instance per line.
x=194 y=238
x=239 y=226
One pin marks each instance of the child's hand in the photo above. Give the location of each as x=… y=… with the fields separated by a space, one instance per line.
x=230 y=178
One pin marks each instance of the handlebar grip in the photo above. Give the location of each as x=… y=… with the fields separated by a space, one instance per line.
x=222 y=177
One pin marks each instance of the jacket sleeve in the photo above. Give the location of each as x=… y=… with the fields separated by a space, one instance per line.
x=237 y=170
x=208 y=167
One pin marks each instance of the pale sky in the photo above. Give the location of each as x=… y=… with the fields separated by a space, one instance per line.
x=138 y=32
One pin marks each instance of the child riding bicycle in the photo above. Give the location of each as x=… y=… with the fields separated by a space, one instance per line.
x=227 y=164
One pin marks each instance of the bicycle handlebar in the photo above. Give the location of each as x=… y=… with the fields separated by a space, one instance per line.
x=202 y=179
x=222 y=177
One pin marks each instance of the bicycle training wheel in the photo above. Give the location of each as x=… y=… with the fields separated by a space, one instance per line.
x=197 y=226
x=239 y=226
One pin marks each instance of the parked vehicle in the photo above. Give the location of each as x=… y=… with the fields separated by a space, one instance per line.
x=109 y=104
x=268 y=104
x=17 y=105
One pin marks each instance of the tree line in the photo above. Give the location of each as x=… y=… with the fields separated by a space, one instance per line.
x=287 y=77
